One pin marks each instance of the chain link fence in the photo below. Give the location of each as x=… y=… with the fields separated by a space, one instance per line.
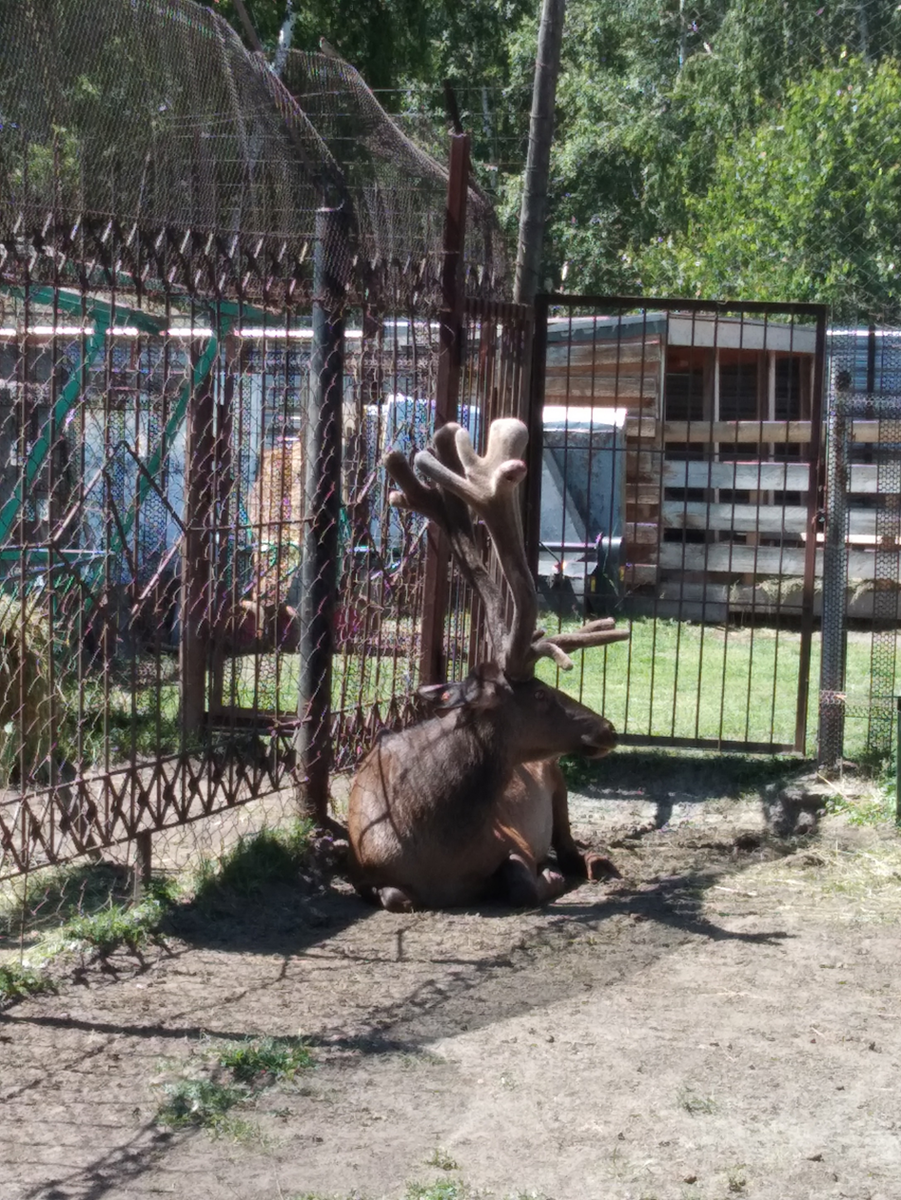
x=222 y=298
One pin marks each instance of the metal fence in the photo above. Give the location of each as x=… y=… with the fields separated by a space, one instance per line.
x=684 y=487
x=202 y=589
x=862 y=569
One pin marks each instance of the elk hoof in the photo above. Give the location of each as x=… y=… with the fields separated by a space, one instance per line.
x=551 y=884
x=396 y=900
x=598 y=867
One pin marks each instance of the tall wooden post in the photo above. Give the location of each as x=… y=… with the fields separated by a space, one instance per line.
x=450 y=362
x=322 y=497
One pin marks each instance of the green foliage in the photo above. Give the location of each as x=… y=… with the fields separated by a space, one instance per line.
x=199 y=1102
x=18 y=981
x=251 y=1067
x=106 y=931
x=804 y=206
x=263 y=1060
x=272 y=856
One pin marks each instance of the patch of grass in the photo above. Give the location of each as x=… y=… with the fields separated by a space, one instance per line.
x=104 y=932
x=442 y=1189
x=875 y=807
x=271 y=856
x=259 y=1061
x=18 y=981
x=240 y=1072
x=50 y=898
x=737 y=1179
x=695 y=771
x=199 y=1102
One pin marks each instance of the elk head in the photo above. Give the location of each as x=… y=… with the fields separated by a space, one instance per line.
x=534 y=720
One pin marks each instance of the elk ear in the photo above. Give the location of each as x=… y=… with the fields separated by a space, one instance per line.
x=475 y=691
x=444 y=695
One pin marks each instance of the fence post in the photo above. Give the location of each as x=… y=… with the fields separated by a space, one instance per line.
x=835 y=578
x=535 y=419
x=814 y=511
x=450 y=360
x=195 y=602
x=322 y=496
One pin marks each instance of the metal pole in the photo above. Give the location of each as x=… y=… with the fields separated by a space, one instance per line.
x=195 y=590
x=322 y=493
x=835 y=578
x=450 y=361
x=814 y=513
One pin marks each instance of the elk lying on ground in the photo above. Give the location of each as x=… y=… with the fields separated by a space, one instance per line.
x=472 y=800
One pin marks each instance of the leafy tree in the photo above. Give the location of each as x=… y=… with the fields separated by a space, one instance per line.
x=805 y=206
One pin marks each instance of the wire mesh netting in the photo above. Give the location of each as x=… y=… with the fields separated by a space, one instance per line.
x=859 y=681
x=155 y=124
x=202 y=588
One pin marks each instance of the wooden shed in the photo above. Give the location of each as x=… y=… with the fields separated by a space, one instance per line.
x=717 y=436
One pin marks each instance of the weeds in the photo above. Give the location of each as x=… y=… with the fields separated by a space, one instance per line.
x=240 y=1073
x=18 y=981
x=271 y=856
x=696 y=1105
x=442 y=1160
x=103 y=933
x=276 y=1059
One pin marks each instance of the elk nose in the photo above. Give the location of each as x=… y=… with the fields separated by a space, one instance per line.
x=597 y=744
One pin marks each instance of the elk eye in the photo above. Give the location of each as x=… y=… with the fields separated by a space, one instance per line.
x=540 y=694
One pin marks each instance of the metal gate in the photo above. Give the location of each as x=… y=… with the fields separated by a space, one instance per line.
x=681 y=490
x=862 y=568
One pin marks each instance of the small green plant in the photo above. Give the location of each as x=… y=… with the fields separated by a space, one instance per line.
x=200 y=1102
x=442 y=1189
x=875 y=807
x=106 y=931
x=442 y=1160
x=259 y=1062
x=18 y=981
x=737 y=1179
x=694 y=1104
x=252 y=1066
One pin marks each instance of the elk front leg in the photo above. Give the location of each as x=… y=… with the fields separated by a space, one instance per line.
x=573 y=860
x=525 y=885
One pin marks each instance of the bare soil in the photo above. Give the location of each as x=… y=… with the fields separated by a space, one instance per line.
x=725 y=1020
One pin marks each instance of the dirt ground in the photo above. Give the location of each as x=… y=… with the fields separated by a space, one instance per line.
x=723 y=1021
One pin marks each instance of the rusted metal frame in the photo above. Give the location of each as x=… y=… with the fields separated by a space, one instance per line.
x=432 y=662
x=815 y=515
x=224 y=599
x=322 y=475
x=197 y=559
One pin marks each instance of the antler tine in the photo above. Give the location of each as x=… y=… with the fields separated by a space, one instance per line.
x=594 y=633
x=487 y=484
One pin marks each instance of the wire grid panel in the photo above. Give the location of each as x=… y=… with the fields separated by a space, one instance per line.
x=861 y=608
x=679 y=448
x=389 y=405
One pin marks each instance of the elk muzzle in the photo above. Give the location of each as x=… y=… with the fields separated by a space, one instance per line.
x=596 y=745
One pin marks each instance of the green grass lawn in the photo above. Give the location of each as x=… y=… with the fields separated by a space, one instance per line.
x=671 y=680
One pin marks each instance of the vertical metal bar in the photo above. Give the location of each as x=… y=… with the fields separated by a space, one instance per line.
x=535 y=422
x=835 y=572
x=450 y=360
x=814 y=508
x=143 y=865
x=322 y=489
x=199 y=497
